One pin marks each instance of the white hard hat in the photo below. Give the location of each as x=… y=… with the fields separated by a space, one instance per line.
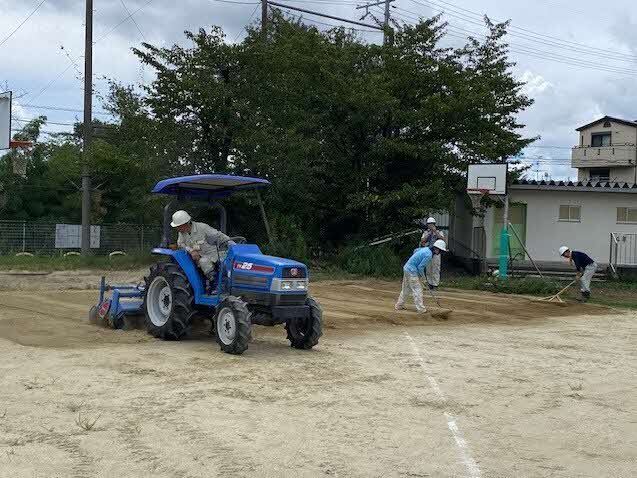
x=431 y=220
x=563 y=249
x=180 y=218
x=440 y=244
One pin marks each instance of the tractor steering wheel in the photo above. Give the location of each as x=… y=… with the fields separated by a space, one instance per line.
x=236 y=239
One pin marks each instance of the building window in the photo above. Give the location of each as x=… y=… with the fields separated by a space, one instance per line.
x=600 y=139
x=599 y=174
x=627 y=215
x=606 y=124
x=570 y=214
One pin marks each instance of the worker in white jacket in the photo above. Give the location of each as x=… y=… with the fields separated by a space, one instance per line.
x=205 y=244
x=429 y=237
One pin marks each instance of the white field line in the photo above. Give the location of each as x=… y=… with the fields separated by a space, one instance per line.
x=473 y=470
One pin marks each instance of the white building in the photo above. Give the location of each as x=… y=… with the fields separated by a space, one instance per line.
x=596 y=214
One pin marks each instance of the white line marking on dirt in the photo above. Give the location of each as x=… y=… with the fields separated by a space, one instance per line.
x=473 y=470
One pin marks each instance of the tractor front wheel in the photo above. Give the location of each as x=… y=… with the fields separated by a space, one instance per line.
x=232 y=325
x=168 y=302
x=305 y=333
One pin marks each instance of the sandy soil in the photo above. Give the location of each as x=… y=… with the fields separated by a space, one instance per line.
x=506 y=387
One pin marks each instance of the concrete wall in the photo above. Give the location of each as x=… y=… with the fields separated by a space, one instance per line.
x=622 y=152
x=620 y=134
x=544 y=233
x=617 y=175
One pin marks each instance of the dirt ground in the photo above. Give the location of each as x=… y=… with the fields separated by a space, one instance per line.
x=505 y=387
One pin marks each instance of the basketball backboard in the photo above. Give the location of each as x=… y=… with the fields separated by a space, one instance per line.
x=487 y=179
x=5 y=120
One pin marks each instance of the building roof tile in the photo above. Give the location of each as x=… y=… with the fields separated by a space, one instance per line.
x=608 y=118
x=593 y=186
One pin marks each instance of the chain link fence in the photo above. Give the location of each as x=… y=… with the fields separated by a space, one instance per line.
x=56 y=239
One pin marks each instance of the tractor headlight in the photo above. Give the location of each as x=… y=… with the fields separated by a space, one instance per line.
x=289 y=285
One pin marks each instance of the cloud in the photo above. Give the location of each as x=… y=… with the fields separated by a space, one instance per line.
x=534 y=84
x=566 y=96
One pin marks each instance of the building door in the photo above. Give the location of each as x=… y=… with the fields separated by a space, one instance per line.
x=517 y=218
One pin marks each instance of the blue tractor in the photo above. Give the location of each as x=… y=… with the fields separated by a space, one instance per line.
x=249 y=286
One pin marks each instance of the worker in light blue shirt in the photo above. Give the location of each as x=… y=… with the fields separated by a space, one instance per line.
x=414 y=271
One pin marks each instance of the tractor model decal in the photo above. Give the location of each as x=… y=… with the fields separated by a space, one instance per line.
x=249 y=266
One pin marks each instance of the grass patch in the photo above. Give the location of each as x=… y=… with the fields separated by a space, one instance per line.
x=527 y=286
x=612 y=293
x=60 y=263
x=86 y=423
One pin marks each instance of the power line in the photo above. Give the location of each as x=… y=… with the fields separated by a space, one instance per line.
x=554 y=57
x=248 y=22
x=19 y=130
x=133 y=20
x=124 y=20
x=332 y=25
x=586 y=48
x=310 y=12
x=525 y=33
x=47 y=122
x=547 y=55
x=237 y=3
x=4 y=40
x=527 y=50
x=61 y=108
x=50 y=83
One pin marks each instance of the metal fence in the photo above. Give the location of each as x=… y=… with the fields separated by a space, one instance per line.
x=623 y=250
x=51 y=239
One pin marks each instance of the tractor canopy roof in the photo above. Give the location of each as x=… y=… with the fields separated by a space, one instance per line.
x=207 y=186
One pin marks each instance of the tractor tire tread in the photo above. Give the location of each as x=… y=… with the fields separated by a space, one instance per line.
x=178 y=326
x=244 y=326
x=312 y=338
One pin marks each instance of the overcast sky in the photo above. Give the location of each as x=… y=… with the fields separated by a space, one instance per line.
x=580 y=61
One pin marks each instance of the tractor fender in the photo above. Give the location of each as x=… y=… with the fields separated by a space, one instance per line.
x=188 y=266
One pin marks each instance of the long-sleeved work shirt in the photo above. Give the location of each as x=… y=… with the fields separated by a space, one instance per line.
x=418 y=261
x=204 y=239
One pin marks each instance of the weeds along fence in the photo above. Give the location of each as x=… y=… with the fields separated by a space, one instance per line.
x=56 y=239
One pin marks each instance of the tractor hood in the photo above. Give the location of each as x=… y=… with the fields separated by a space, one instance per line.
x=250 y=254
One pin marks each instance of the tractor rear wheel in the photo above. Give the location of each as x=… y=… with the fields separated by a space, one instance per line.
x=232 y=326
x=168 y=302
x=305 y=333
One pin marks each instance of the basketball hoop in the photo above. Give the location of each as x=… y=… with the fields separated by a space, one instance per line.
x=476 y=195
x=19 y=156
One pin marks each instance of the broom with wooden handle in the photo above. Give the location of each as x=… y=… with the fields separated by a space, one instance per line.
x=556 y=299
x=442 y=313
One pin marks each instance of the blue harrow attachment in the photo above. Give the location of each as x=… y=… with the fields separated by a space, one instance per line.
x=118 y=302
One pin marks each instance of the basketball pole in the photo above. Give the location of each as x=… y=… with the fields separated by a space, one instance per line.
x=504 y=240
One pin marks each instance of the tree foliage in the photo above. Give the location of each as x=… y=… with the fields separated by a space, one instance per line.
x=357 y=139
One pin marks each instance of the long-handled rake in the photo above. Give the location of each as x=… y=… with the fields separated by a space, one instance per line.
x=439 y=314
x=556 y=299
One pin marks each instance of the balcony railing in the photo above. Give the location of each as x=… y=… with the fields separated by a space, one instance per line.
x=600 y=156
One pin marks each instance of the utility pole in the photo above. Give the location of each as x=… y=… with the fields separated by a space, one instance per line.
x=264 y=18
x=87 y=130
x=386 y=32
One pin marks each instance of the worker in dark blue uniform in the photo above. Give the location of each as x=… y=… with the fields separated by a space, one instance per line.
x=585 y=266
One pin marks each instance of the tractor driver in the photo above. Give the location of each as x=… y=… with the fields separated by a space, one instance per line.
x=205 y=244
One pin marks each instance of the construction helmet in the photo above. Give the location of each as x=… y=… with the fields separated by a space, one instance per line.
x=440 y=244
x=180 y=218
x=563 y=249
x=431 y=220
